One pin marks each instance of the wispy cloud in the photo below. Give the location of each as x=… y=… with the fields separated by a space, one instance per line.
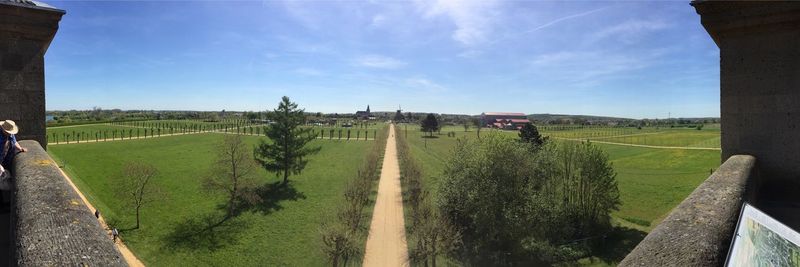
x=379 y=62
x=631 y=31
x=555 y=21
x=470 y=53
x=423 y=83
x=589 y=68
x=474 y=20
x=550 y=23
x=302 y=13
x=308 y=72
x=377 y=21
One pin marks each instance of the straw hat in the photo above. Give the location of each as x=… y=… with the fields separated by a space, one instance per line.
x=9 y=126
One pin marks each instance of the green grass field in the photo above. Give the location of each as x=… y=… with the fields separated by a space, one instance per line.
x=708 y=137
x=184 y=230
x=672 y=138
x=652 y=181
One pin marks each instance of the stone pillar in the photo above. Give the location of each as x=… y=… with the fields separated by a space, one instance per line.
x=759 y=46
x=26 y=29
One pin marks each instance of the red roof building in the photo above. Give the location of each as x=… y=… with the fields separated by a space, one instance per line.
x=504 y=120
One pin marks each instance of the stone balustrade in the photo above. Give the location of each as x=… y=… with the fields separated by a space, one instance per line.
x=52 y=225
x=698 y=232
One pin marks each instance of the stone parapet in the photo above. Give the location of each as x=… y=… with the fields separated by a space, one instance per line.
x=698 y=232
x=53 y=226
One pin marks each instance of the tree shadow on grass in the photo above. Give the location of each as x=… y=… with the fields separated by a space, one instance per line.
x=430 y=137
x=619 y=242
x=271 y=197
x=209 y=232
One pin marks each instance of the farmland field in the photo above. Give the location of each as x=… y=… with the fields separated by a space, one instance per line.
x=651 y=181
x=185 y=229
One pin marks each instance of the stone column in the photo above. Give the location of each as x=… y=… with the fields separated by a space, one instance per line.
x=759 y=46
x=26 y=29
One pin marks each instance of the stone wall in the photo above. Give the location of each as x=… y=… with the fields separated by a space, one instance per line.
x=760 y=94
x=698 y=232
x=759 y=83
x=25 y=35
x=53 y=227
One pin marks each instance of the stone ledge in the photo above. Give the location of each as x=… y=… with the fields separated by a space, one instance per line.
x=698 y=232
x=53 y=225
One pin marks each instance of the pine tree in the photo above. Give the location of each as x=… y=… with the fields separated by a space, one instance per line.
x=286 y=153
x=530 y=134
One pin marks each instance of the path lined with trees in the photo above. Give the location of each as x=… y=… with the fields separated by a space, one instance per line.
x=386 y=243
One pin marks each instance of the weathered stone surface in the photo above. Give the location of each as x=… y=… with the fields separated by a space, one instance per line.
x=53 y=226
x=759 y=79
x=25 y=34
x=698 y=232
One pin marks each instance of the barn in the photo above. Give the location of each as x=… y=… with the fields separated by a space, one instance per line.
x=504 y=120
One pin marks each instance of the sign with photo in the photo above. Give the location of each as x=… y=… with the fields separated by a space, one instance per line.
x=761 y=240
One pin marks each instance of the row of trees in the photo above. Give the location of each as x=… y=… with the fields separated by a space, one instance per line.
x=527 y=201
x=429 y=233
x=341 y=234
x=347 y=134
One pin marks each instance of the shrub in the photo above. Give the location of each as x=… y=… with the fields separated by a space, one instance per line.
x=513 y=204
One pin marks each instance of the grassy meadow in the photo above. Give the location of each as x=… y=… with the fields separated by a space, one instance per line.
x=651 y=181
x=186 y=229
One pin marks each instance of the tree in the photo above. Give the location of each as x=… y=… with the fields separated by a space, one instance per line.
x=516 y=205
x=137 y=186
x=477 y=123
x=286 y=154
x=435 y=236
x=251 y=115
x=233 y=173
x=398 y=117
x=530 y=134
x=339 y=244
x=466 y=123
x=430 y=124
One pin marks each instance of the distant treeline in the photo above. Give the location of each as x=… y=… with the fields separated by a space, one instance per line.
x=99 y=115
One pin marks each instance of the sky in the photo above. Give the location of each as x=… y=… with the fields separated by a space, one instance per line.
x=625 y=59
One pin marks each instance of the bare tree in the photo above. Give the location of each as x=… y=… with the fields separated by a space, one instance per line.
x=338 y=243
x=478 y=126
x=233 y=173
x=138 y=186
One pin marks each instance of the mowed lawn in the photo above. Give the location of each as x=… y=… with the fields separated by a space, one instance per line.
x=652 y=181
x=186 y=229
x=707 y=138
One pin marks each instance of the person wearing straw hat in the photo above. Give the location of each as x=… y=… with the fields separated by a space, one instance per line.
x=8 y=146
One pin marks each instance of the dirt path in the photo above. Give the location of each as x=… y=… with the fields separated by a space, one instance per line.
x=126 y=253
x=386 y=244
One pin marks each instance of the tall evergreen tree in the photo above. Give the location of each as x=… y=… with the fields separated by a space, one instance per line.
x=430 y=124
x=286 y=153
x=530 y=134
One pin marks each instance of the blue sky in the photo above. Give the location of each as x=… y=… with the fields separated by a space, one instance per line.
x=629 y=59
